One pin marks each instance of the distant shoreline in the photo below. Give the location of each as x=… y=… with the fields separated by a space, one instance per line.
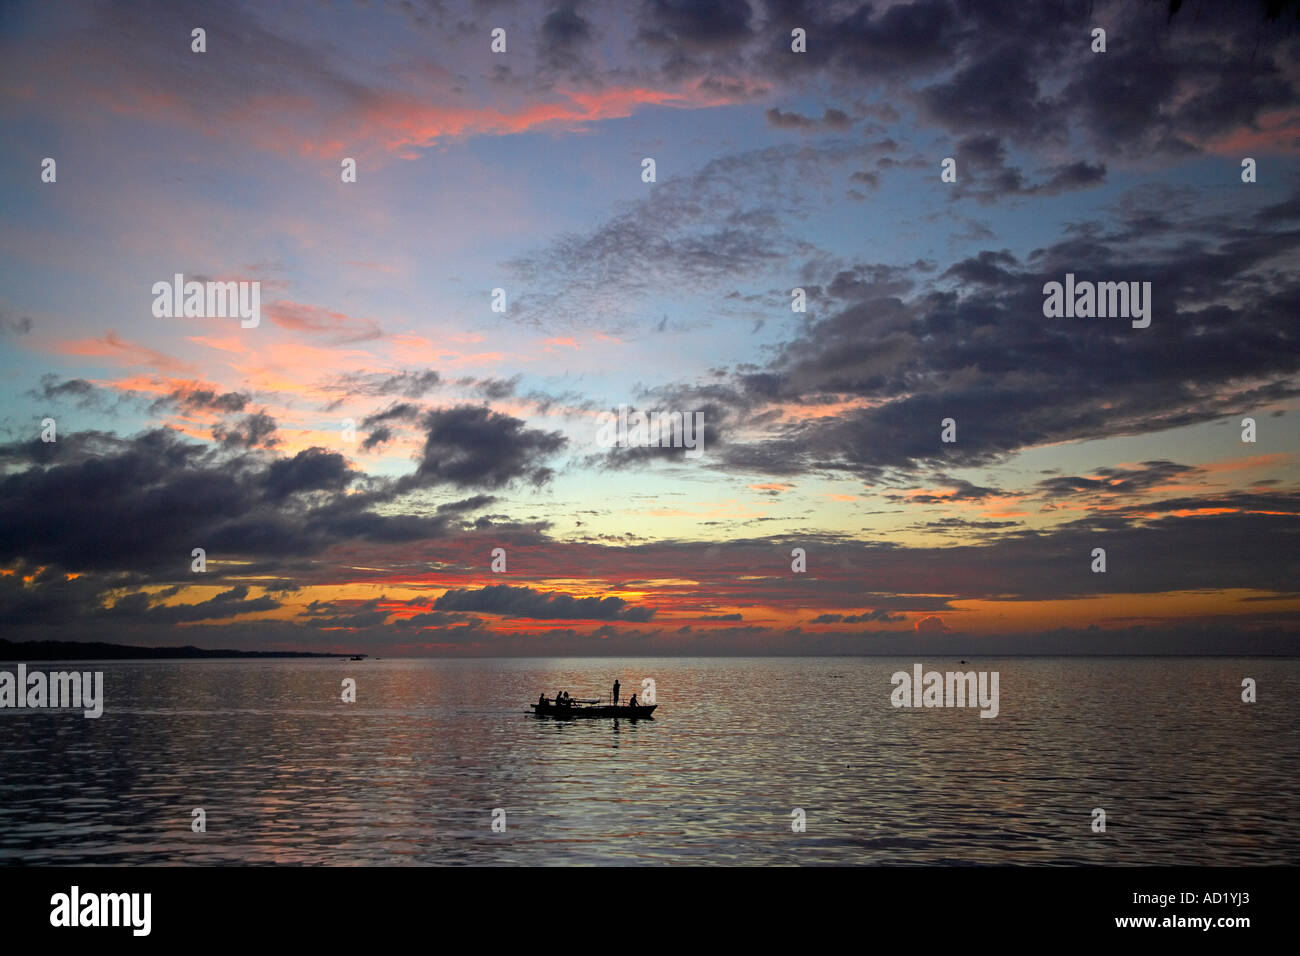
x=95 y=651
x=16 y=651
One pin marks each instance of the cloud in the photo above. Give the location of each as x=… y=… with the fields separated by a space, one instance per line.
x=51 y=388
x=313 y=469
x=198 y=397
x=983 y=173
x=337 y=328
x=697 y=25
x=224 y=605
x=472 y=446
x=99 y=502
x=832 y=118
x=931 y=625
x=1117 y=481
x=406 y=384
x=730 y=219
x=526 y=602
x=255 y=431
x=398 y=411
x=881 y=614
x=565 y=32
x=913 y=351
x=14 y=326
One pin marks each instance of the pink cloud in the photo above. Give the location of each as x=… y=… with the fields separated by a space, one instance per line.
x=932 y=624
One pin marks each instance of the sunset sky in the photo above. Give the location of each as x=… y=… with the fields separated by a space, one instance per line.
x=522 y=170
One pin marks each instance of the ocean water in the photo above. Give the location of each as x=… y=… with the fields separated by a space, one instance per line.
x=411 y=773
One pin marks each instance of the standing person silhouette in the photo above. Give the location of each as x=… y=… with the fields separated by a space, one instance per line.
x=615 y=691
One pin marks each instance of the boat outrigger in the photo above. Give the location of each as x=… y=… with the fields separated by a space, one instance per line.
x=591 y=708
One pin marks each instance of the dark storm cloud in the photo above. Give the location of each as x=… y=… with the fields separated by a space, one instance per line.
x=226 y=604
x=376 y=438
x=983 y=354
x=1253 y=504
x=961 y=490
x=43 y=597
x=51 y=389
x=312 y=469
x=1203 y=77
x=987 y=268
x=255 y=431
x=71 y=447
x=400 y=411
x=1286 y=211
x=983 y=173
x=1119 y=481
x=1165 y=84
x=473 y=446
x=1067 y=176
x=881 y=614
x=1026 y=73
x=1187 y=543
x=98 y=502
x=1210 y=552
x=458 y=626
x=510 y=601
x=195 y=398
x=565 y=32
x=867 y=281
x=347 y=613
x=467 y=504
x=696 y=24
x=860 y=40
x=998 y=93
x=50 y=598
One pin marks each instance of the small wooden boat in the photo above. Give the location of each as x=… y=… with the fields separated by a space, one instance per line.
x=583 y=709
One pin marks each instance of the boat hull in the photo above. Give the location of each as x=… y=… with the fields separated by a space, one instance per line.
x=640 y=712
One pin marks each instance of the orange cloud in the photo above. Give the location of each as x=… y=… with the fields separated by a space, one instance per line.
x=119 y=351
x=403 y=125
x=932 y=624
x=311 y=318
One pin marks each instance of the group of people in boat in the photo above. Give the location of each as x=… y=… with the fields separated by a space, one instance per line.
x=563 y=700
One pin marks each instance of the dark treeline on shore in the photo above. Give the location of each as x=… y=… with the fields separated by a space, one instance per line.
x=79 y=651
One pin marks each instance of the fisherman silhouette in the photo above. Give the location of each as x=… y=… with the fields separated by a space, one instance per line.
x=615 y=691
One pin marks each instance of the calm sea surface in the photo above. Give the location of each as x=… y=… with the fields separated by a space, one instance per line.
x=411 y=773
